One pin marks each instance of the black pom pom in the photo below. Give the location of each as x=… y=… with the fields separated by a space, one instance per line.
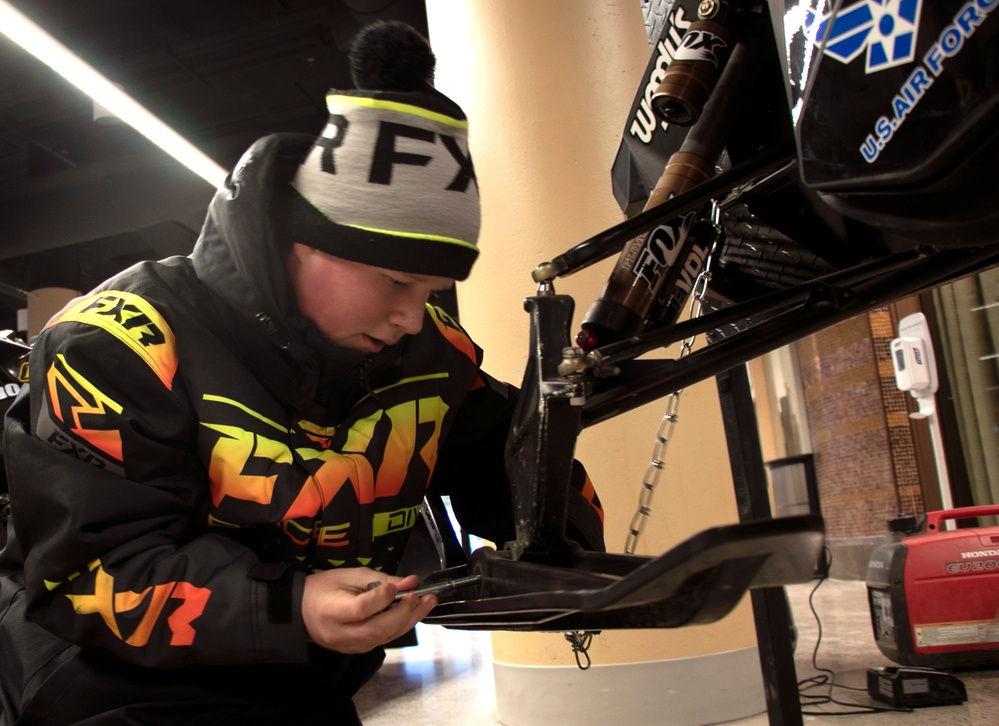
x=391 y=56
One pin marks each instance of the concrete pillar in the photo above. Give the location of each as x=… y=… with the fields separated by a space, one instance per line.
x=547 y=87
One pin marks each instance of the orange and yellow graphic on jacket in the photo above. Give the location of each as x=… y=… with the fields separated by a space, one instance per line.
x=148 y=605
x=590 y=495
x=450 y=329
x=375 y=467
x=74 y=401
x=131 y=320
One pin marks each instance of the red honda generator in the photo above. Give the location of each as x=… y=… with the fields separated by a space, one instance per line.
x=934 y=592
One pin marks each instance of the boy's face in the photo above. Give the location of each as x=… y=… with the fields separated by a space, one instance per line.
x=358 y=306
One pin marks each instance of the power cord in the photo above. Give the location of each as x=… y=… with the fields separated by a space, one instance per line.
x=827 y=678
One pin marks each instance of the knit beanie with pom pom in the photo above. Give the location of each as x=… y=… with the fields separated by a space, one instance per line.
x=390 y=181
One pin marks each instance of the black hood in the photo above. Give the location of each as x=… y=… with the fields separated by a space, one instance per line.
x=238 y=254
x=241 y=259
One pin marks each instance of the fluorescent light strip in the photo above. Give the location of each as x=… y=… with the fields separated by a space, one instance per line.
x=63 y=61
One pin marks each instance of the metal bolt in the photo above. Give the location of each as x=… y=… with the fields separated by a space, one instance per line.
x=708 y=9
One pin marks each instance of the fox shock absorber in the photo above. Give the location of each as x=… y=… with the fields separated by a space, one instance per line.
x=643 y=283
x=651 y=262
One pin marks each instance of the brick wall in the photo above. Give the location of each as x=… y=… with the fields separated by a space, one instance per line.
x=897 y=405
x=864 y=461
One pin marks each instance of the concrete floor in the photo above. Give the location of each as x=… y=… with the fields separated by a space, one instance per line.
x=848 y=649
x=447 y=680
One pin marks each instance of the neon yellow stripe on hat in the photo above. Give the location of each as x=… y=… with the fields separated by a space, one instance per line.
x=416 y=235
x=395 y=106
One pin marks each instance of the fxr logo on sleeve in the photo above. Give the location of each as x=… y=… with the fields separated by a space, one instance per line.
x=109 y=605
x=131 y=320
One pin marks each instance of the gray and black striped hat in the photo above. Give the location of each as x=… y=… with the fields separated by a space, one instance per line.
x=390 y=180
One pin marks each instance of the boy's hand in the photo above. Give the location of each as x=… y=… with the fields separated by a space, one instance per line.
x=347 y=610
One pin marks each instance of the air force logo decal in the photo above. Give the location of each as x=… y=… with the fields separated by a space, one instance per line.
x=885 y=29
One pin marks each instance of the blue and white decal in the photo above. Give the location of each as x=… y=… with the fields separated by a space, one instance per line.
x=886 y=29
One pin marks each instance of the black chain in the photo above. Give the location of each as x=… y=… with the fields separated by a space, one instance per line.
x=581 y=641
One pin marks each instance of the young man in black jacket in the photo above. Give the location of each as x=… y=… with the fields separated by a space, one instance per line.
x=222 y=456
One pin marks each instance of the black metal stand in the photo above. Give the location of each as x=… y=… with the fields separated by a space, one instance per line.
x=770 y=610
x=542 y=581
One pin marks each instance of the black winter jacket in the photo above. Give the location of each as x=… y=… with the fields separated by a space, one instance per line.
x=193 y=449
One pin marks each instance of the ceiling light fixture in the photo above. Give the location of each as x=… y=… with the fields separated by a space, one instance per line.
x=25 y=33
